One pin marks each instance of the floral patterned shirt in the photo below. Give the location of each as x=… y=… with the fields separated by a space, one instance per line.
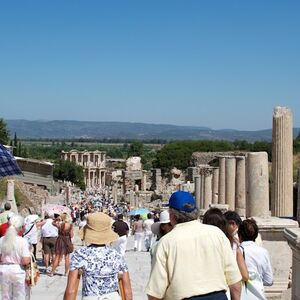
x=101 y=266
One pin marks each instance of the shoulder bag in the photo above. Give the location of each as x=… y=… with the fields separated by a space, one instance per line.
x=32 y=272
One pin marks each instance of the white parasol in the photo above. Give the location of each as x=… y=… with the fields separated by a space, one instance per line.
x=55 y=209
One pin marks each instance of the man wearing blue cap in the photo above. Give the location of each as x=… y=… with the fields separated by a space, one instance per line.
x=194 y=260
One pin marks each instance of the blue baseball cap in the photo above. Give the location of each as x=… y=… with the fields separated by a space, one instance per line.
x=182 y=201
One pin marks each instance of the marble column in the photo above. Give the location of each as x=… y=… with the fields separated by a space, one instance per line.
x=282 y=163
x=230 y=168
x=202 y=180
x=197 y=179
x=76 y=158
x=98 y=178
x=101 y=178
x=221 y=180
x=207 y=187
x=89 y=178
x=240 y=186
x=10 y=195
x=202 y=191
x=104 y=178
x=257 y=184
x=215 y=185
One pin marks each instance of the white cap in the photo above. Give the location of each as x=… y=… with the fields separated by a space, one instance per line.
x=164 y=218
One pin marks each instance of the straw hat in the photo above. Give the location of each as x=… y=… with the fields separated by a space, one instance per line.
x=98 y=230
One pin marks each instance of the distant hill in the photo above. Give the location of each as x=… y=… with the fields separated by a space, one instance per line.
x=125 y=130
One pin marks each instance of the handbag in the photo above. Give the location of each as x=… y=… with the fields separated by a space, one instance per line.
x=32 y=272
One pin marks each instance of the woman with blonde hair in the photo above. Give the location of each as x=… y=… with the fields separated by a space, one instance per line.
x=99 y=263
x=14 y=256
x=63 y=245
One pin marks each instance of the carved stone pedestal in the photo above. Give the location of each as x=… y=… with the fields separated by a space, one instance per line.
x=293 y=237
x=272 y=233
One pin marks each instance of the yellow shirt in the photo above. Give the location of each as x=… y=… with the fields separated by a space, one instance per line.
x=193 y=259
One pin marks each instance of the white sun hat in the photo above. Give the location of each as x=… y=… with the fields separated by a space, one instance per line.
x=164 y=218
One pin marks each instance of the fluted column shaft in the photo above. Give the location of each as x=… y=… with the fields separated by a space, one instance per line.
x=282 y=163
x=215 y=185
x=202 y=167
x=221 y=180
x=197 y=180
x=230 y=166
x=201 y=190
x=10 y=195
x=207 y=187
x=240 y=186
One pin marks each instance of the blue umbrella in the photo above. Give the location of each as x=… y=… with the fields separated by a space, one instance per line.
x=138 y=211
x=8 y=164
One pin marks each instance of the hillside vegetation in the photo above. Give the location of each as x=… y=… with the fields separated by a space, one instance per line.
x=62 y=129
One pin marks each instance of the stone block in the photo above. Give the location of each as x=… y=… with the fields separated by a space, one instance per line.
x=272 y=233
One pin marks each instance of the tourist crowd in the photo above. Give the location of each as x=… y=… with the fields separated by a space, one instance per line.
x=219 y=257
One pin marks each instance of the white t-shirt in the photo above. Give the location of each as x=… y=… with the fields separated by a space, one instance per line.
x=21 y=250
x=32 y=234
x=147 y=225
x=49 y=230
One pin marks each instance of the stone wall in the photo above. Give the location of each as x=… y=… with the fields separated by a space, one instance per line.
x=200 y=158
x=31 y=198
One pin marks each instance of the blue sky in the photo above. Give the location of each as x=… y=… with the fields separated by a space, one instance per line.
x=221 y=64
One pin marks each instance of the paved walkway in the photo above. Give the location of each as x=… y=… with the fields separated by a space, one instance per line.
x=52 y=288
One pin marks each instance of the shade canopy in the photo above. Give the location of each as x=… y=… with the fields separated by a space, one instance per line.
x=8 y=163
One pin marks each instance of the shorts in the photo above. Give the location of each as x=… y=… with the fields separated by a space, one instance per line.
x=49 y=245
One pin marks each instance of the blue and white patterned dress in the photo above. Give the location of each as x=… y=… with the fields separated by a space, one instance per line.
x=101 y=266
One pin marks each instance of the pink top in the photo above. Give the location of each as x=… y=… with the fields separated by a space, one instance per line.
x=21 y=250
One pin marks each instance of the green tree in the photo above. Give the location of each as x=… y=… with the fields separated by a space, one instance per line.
x=136 y=148
x=4 y=133
x=19 y=149
x=69 y=171
x=178 y=154
x=296 y=144
x=15 y=145
x=262 y=146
